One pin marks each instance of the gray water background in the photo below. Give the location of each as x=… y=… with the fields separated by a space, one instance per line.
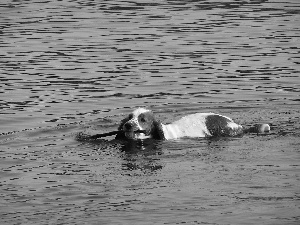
x=74 y=66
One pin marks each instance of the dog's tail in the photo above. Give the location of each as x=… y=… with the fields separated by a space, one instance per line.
x=258 y=128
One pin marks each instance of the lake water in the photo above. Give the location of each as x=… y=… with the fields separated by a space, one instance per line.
x=80 y=66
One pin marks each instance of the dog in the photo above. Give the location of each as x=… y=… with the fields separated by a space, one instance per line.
x=142 y=124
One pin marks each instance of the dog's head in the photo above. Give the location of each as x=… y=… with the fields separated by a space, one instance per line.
x=141 y=124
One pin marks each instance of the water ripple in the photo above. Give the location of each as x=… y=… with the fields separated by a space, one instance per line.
x=70 y=67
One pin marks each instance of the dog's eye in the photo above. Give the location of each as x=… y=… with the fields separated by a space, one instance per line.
x=143 y=120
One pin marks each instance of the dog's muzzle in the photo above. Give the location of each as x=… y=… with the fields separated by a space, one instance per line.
x=132 y=130
x=130 y=126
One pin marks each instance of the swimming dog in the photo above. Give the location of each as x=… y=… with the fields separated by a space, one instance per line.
x=142 y=124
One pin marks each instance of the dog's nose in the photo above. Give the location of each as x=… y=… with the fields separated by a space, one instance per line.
x=127 y=126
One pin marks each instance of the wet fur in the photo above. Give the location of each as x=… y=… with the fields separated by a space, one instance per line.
x=155 y=128
x=141 y=124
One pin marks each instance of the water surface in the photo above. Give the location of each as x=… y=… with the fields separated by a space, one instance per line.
x=81 y=66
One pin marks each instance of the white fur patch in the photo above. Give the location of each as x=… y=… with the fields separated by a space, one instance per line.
x=188 y=126
x=139 y=111
x=234 y=126
x=134 y=119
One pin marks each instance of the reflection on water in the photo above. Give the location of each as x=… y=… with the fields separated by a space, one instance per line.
x=79 y=66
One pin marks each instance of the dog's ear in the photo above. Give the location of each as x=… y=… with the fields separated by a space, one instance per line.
x=121 y=135
x=123 y=121
x=157 y=130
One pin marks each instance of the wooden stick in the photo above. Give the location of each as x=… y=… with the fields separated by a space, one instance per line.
x=112 y=133
x=105 y=134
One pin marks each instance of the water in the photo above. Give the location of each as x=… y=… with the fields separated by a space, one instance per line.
x=80 y=66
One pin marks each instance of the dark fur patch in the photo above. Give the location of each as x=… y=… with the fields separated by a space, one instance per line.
x=218 y=126
x=157 y=131
x=121 y=135
x=153 y=127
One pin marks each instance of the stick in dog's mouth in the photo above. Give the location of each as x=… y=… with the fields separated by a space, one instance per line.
x=113 y=133
x=140 y=131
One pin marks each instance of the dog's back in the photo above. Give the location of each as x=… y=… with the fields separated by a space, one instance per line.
x=202 y=125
